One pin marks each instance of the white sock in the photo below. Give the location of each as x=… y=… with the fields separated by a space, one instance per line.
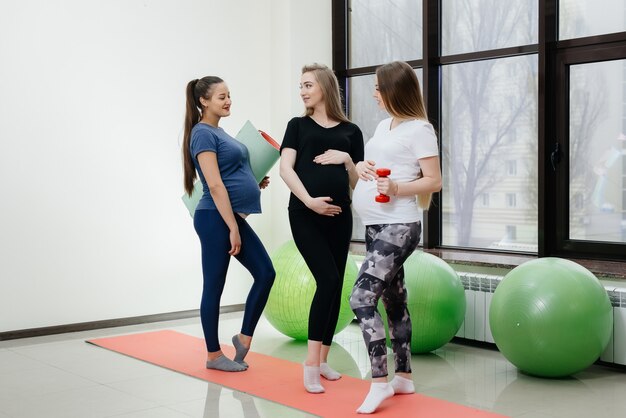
x=328 y=373
x=312 y=379
x=402 y=385
x=377 y=394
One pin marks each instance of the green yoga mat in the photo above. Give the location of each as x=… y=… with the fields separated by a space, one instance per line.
x=263 y=153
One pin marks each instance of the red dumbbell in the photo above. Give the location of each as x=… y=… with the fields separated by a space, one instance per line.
x=382 y=172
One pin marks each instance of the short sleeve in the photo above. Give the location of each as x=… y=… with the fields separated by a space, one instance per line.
x=291 y=139
x=201 y=141
x=357 y=152
x=426 y=144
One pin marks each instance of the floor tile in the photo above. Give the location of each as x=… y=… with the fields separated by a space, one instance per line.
x=93 y=402
x=225 y=403
x=160 y=412
x=533 y=415
x=167 y=389
x=11 y=362
x=42 y=381
x=88 y=361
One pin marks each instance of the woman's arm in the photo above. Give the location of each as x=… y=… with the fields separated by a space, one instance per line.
x=289 y=176
x=353 y=175
x=211 y=172
x=430 y=182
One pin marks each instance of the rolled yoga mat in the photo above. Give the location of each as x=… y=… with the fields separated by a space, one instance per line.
x=263 y=152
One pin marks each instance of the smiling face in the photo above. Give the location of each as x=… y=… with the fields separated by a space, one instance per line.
x=219 y=103
x=377 y=96
x=310 y=91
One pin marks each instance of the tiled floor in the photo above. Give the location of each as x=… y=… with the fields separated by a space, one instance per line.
x=62 y=376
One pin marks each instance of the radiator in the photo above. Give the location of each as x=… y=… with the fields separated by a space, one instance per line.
x=616 y=350
x=479 y=290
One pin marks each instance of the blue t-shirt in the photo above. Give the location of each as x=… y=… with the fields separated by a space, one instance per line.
x=232 y=160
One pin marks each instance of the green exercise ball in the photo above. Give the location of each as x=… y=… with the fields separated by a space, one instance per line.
x=551 y=317
x=289 y=302
x=436 y=301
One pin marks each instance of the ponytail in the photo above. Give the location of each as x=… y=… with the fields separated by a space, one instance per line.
x=195 y=90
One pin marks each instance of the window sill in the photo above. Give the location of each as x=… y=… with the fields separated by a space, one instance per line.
x=612 y=270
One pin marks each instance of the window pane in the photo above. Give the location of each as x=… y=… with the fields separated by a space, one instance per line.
x=578 y=18
x=363 y=109
x=597 y=151
x=365 y=113
x=489 y=115
x=384 y=30
x=480 y=25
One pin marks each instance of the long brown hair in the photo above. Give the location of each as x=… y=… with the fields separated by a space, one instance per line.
x=196 y=89
x=401 y=93
x=330 y=91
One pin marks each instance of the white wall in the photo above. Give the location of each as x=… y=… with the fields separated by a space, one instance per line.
x=304 y=31
x=91 y=109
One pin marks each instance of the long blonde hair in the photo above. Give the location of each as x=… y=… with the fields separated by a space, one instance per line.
x=401 y=93
x=330 y=91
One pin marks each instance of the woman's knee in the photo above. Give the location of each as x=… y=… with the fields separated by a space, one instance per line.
x=266 y=275
x=361 y=298
x=328 y=284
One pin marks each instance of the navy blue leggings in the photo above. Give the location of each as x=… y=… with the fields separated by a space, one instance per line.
x=214 y=239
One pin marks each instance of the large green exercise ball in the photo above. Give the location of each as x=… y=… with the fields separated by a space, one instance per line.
x=436 y=301
x=551 y=317
x=289 y=302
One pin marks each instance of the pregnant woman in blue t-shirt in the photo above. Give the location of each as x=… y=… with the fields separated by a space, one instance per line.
x=230 y=194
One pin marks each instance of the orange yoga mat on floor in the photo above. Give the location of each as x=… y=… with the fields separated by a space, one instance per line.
x=277 y=380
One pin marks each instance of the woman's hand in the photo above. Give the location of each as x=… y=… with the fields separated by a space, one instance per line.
x=235 y=242
x=386 y=186
x=366 y=170
x=322 y=206
x=332 y=156
x=264 y=183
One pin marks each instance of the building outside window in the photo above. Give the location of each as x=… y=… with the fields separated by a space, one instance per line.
x=511 y=200
x=485 y=199
x=511 y=168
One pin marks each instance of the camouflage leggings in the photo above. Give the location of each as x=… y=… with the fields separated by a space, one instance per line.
x=382 y=275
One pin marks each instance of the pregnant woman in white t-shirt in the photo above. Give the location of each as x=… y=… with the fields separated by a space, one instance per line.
x=407 y=145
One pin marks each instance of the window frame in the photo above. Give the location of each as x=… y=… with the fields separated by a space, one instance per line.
x=551 y=187
x=566 y=57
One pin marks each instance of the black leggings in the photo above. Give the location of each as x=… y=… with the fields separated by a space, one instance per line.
x=324 y=242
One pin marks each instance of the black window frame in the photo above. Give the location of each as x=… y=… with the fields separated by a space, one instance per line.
x=580 y=53
x=552 y=185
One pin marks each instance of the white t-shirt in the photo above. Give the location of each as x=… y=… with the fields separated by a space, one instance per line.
x=398 y=149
